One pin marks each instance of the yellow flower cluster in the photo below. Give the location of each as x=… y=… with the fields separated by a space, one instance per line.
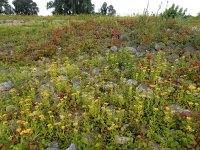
x=26 y=131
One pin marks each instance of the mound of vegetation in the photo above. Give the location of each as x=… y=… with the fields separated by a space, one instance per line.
x=99 y=82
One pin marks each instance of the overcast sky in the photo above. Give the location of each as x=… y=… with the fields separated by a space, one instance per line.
x=129 y=7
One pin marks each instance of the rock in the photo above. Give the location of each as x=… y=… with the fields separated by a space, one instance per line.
x=116 y=70
x=159 y=46
x=95 y=71
x=125 y=126
x=189 y=47
x=169 y=30
x=123 y=140
x=195 y=29
x=5 y=86
x=172 y=57
x=109 y=85
x=82 y=57
x=72 y=147
x=145 y=91
x=53 y=146
x=50 y=148
x=123 y=37
x=106 y=50
x=114 y=48
x=47 y=87
x=131 y=49
x=10 y=108
x=142 y=48
x=75 y=83
x=177 y=108
x=140 y=54
x=131 y=82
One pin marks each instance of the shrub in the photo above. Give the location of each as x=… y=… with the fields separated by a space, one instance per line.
x=174 y=12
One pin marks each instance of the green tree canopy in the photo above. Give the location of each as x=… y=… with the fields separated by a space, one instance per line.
x=107 y=10
x=25 y=7
x=70 y=7
x=5 y=8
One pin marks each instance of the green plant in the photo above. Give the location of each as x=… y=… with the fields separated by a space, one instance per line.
x=197 y=40
x=174 y=12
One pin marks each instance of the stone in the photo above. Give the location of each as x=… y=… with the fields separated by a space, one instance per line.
x=169 y=30
x=159 y=46
x=116 y=70
x=106 y=50
x=142 y=48
x=72 y=147
x=131 y=49
x=172 y=57
x=76 y=84
x=189 y=47
x=53 y=146
x=95 y=71
x=131 y=82
x=145 y=91
x=123 y=37
x=177 y=108
x=123 y=140
x=5 y=86
x=114 y=48
x=47 y=87
x=109 y=85
x=140 y=54
x=10 y=108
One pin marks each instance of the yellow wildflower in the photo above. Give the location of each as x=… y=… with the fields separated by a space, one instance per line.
x=50 y=126
x=62 y=117
x=192 y=87
x=19 y=130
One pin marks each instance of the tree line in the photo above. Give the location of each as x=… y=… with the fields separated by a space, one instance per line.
x=64 y=7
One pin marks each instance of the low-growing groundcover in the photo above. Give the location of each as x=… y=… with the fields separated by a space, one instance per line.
x=99 y=83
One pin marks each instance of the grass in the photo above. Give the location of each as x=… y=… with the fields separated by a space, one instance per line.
x=66 y=88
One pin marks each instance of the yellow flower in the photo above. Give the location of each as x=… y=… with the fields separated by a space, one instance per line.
x=41 y=117
x=164 y=93
x=62 y=117
x=167 y=108
x=24 y=123
x=27 y=131
x=69 y=115
x=34 y=70
x=152 y=85
x=188 y=118
x=58 y=123
x=19 y=130
x=50 y=126
x=63 y=127
x=192 y=87
x=189 y=128
x=51 y=116
x=155 y=109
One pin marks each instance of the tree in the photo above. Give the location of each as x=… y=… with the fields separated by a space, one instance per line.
x=174 y=12
x=111 y=10
x=5 y=8
x=107 y=10
x=70 y=7
x=104 y=9
x=25 y=7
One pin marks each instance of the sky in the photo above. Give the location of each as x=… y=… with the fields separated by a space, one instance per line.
x=130 y=7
